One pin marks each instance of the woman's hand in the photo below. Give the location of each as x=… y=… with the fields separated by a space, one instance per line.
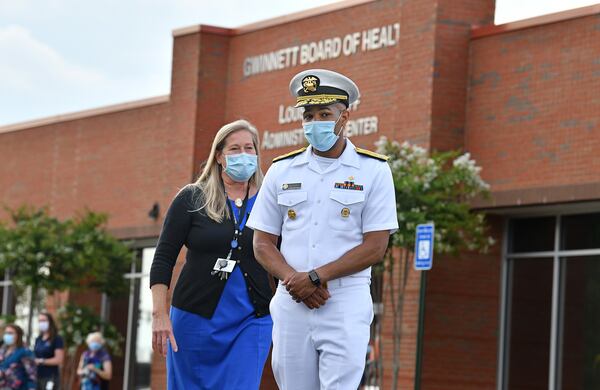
x=162 y=332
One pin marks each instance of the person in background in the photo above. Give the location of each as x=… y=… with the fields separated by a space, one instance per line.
x=95 y=367
x=17 y=365
x=49 y=353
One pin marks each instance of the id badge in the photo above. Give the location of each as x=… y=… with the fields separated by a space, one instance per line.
x=224 y=265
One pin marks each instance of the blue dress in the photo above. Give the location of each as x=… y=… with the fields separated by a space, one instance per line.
x=227 y=351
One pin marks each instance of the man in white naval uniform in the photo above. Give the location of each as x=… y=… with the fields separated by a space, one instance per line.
x=333 y=205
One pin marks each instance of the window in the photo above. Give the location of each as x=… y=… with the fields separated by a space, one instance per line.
x=16 y=308
x=551 y=304
x=132 y=315
x=8 y=298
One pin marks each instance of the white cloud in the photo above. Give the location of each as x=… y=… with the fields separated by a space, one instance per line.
x=33 y=66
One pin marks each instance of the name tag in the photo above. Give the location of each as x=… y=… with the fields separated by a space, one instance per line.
x=224 y=265
x=291 y=186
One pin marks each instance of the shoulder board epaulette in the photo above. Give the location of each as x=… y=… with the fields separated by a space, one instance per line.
x=290 y=154
x=368 y=153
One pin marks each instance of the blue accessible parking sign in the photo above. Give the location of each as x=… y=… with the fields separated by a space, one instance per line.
x=424 y=246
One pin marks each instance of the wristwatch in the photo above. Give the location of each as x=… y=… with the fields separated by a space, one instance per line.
x=314 y=277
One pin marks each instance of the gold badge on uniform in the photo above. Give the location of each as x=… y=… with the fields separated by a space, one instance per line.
x=345 y=212
x=310 y=84
x=291 y=214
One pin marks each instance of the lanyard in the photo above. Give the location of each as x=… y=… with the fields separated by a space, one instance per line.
x=238 y=225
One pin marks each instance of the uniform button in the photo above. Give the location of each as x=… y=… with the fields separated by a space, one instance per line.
x=314 y=245
x=254 y=302
x=322 y=179
x=238 y=261
x=239 y=248
x=245 y=274
x=319 y=201
x=316 y=223
x=249 y=288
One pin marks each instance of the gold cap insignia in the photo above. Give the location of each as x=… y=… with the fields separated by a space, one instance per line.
x=291 y=214
x=310 y=84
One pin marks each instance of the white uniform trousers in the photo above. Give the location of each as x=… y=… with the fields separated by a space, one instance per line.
x=325 y=348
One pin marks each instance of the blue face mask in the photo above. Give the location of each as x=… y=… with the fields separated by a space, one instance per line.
x=9 y=338
x=95 y=346
x=43 y=326
x=240 y=167
x=321 y=134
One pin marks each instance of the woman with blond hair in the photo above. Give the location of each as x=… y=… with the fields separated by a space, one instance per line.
x=95 y=366
x=218 y=333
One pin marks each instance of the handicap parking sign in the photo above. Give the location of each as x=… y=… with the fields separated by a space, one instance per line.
x=424 y=246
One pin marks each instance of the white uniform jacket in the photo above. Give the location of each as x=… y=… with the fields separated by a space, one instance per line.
x=320 y=215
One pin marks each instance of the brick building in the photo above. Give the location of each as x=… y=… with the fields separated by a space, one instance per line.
x=523 y=98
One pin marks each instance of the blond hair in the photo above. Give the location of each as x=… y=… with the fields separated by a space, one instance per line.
x=95 y=336
x=211 y=197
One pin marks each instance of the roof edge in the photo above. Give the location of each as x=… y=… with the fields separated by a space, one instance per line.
x=485 y=31
x=205 y=28
x=85 y=113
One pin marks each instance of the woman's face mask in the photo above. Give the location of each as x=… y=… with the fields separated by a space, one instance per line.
x=43 y=326
x=240 y=167
x=321 y=134
x=9 y=338
x=94 y=345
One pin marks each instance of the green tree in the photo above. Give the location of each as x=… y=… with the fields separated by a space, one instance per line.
x=45 y=254
x=436 y=187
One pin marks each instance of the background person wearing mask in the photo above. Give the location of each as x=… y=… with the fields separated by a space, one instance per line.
x=49 y=353
x=95 y=367
x=17 y=365
x=219 y=330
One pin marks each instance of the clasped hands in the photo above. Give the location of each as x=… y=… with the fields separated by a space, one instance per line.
x=301 y=289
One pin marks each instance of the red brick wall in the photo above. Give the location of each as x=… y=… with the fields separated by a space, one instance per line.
x=119 y=163
x=462 y=300
x=408 y=318
x=211 y=103
x=450 y=67
x=382 y=75
x=534 y=99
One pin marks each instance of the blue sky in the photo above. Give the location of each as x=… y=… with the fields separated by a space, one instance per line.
x=61 y=56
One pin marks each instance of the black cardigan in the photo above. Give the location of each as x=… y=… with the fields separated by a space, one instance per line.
x=197 y=291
